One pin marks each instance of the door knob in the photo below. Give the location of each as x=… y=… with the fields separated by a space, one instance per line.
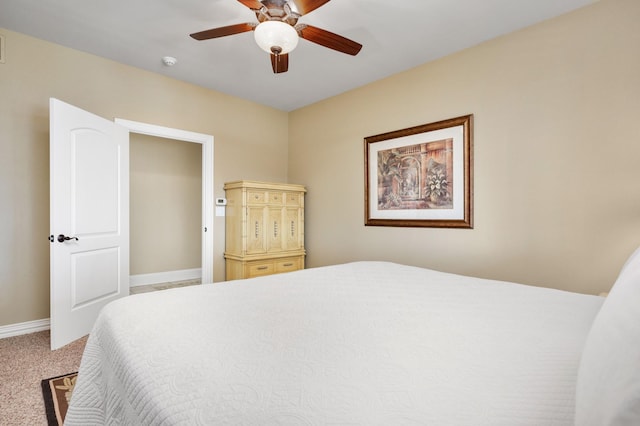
x=62 y=238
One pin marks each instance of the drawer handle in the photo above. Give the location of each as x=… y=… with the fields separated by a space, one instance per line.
x=261 y=268
x=293 y=229
x=287 y=264
x=257 y=229
x=275 y=229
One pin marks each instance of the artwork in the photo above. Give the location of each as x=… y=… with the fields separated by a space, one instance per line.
x=421 y=176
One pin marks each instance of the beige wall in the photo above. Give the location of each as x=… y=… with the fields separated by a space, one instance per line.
x=35 y=71
x=165 y=204
x=557 y=149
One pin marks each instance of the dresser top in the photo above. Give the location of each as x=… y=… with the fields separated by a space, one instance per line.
x=264 y=185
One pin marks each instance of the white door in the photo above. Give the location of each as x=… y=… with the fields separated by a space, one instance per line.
x=89 y=208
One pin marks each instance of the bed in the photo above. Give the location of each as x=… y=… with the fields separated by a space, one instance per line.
x=365 y=343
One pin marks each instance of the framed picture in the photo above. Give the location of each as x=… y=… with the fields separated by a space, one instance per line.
x=421 y=176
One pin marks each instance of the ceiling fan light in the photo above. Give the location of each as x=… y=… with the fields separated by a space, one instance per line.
x=276 y=35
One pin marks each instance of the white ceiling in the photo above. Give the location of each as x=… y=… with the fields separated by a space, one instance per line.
x=396 y=34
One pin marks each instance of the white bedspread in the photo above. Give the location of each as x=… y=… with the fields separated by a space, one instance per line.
x=367 y=343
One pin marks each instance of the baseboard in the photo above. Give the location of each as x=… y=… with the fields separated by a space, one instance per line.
x=24 y=328
x=164 y=277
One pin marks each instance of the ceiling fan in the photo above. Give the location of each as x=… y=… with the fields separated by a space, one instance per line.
x=277 y=31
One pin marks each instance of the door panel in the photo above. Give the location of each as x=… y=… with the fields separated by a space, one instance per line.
x=93 y=156
x=94 y=276
x=89 y=178
x=274 y=231
x=255 y=230
x=292 y=229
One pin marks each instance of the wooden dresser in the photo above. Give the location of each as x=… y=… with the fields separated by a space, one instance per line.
x=264 y=228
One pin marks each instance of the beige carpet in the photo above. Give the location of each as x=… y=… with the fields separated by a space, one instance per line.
x=24 y=362
x=163 y=286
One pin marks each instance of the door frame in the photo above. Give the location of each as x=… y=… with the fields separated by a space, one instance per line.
x=207 y=180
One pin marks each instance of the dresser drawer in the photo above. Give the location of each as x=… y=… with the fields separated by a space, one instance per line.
x=259 y=268
x=293 y=198
x=288 y=264
x=256 y=197
x=275 y=197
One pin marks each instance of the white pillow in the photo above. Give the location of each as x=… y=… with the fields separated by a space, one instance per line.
x=608 y=384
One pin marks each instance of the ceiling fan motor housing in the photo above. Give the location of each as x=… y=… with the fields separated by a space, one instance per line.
x=277 y=10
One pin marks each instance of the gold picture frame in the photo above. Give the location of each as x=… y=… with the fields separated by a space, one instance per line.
x=421 y=176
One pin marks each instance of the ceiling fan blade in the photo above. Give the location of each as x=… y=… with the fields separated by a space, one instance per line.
x=252 y=4
x=223 y=31
x=280 y=63
x=328 y=39
x=305 y=6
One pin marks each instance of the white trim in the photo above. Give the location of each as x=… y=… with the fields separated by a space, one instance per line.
x=2 y=49
x=164 y=277
x=163 y=132
x=207 y=181
x=24 y=328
